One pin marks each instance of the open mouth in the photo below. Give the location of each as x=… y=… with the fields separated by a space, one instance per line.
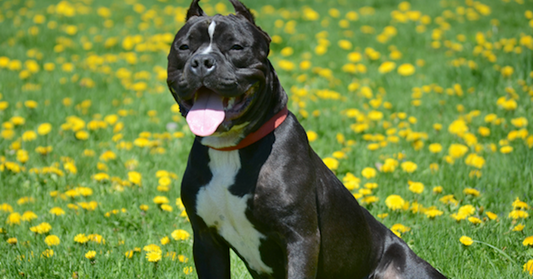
x=208 y=109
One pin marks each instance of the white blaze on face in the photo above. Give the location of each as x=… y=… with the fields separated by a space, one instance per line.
x=220 y=209
x=211 y=32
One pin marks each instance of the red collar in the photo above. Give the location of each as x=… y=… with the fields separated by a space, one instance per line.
x=264 y=130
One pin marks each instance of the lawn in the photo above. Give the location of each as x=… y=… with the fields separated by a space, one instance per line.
x=421 y=108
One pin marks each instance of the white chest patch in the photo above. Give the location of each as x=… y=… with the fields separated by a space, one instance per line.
x=211 y=32
x=226 y=212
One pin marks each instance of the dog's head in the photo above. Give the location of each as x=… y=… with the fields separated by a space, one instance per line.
x=218 y=71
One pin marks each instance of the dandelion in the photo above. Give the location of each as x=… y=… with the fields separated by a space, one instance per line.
x=528 y=241
x=135 y=178
x=435 y=147
x=416 y=187
x=52 y=240
x=457 y=150
x=48 y=253
x=528 y=267
x=466 y=241
x=81 y=238
x=28 y=216
x=331 y=163
x=42 y=228
x=518 y=228
x=395 y=202
x=44 y=129
x=518 y=214
x=406 y=69
x=180 y=235
x=432 y=213
x=368 y=172
x=12 y=240
x=152 y=248
x=386 y=67
x=437 y=189
x=90 y=255
x=474 y=220
x=491 y=215
x=506 y=149
x=153 y=257
x=165 y=240
x=409 y=166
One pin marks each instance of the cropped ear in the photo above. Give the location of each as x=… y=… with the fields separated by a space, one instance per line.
x=195 y=10
x=240 y=9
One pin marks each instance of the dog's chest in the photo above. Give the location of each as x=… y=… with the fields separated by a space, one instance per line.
x=220 y=209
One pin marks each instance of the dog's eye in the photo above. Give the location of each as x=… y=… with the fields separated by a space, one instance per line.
x=237 y=47
x=184 y=47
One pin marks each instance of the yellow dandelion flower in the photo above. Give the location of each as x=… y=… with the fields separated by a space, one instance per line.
x=368 y=172
x=153 y=257
x=166 y=207
x=48 y=253
x=28 y=216
x=400 y=228
x=506 y=149
x=312 y=136
x=180 y=235
x=386 y=67
x=416 y=187
x=135 y=178
x=518 y=204
x=395 y=202
x=519 y=228
x=81 y=238
x=432 y=213
x=491 y=215
x=12 y=240
x=82 y=135
x=528 y=267
x=466 y=241
x=528 y=241
x=13 y=218
x=435 y=148
x=331 y=163
x=152 y=248
x=129 y=254
x=44 y=129
x=161 y=200
x=90 y=255
x=518 y=214
x=409 y=166
x=165 y=240
x=457 y=150
x=52 y=240
x=474 y=220
x=471 y=192
x=406 y=69
x=42 y=228
x=437 y=189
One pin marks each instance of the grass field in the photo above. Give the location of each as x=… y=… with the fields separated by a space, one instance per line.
x=421 y=108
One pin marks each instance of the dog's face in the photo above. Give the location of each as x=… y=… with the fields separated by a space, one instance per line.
x=216 y=66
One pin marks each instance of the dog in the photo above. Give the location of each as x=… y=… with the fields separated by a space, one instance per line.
x=252 y=183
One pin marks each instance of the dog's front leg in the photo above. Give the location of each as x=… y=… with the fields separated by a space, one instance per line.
x=302 y=256
x=211 y=256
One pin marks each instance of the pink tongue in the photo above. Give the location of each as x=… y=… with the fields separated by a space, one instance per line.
x=206 y=113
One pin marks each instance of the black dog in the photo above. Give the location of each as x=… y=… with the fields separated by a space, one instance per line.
x=253 y=183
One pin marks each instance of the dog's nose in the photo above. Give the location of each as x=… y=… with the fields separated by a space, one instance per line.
x=203 y=64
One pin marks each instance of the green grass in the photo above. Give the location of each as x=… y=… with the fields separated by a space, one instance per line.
x=141 y=102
